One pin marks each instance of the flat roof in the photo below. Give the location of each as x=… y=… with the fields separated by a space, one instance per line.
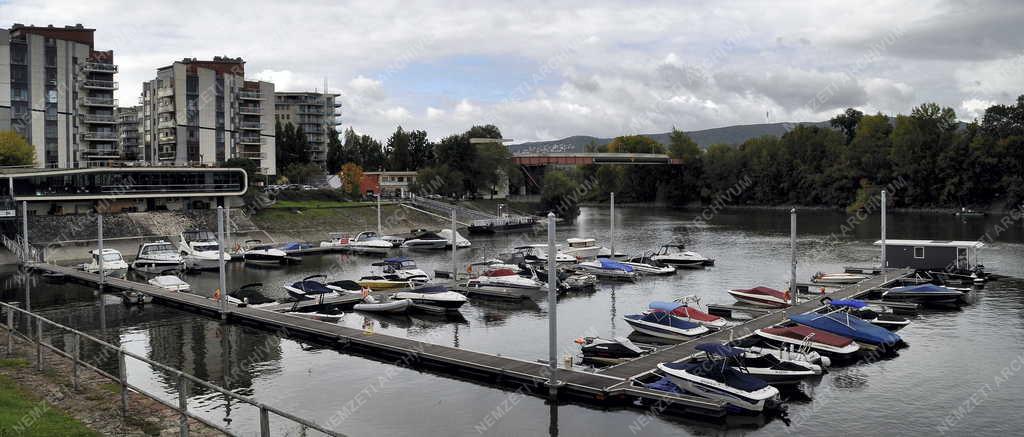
x=932 y=243
x=36 y=171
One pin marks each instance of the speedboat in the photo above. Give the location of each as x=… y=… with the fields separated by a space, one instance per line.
x=112 y=262
x=309 y=288
x=664 y=325
x=583 y=248
x=200 y=250
x=768 y=367
x=837 y=278
x=481 y=267
x=383 y=282
x=645 y=265
x=786 y=352
x=250 y=295
x=812 y=339
x=392 y=306
x=425 y=240
x=688 y=312
x=925 y=294
x=170 y=283
x=716 y=379
x=677 y=255
x=157 y=257
x=605 y=351
x=860 y=309
x=538 y=253
x=605 y=268
x=761 y=296
x=367 y=241
x=256 y=253
x=318 y=316
x=505 y=278
x=401 y=267
x=460 y=241
x=436 y=295
x=852 y=327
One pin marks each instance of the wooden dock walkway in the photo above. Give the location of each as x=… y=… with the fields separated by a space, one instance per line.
x=682 y=350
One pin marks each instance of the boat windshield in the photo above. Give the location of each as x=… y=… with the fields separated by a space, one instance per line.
x=206 y=247
x=408 y=264
x=111 y=257
x=198 y=236
x=156 y=249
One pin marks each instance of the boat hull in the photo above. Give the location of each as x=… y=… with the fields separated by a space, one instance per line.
x=709 y=388
x=662 y=331
x=448 y=300
x=756 y=299
x=155 y=266
x=392 y=307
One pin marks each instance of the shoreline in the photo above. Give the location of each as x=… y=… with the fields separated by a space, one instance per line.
x=927 y=210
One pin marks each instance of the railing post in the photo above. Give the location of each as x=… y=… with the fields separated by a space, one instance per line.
x=39 y=343
x=10 y=331
x=183 y=404
x=264 y=422
x=76 y=358
x=122 y=374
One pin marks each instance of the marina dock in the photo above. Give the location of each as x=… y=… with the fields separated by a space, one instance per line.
x=610 y=387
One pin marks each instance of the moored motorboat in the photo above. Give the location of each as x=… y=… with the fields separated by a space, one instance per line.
x=583 y=248
x=688 y=310
x=605 y=268
x=425 y=240
x=435 y=295
x=538 y=253
x=925 y=294
x=504 y=278
x=254 y=252
x=860 y=309
x=799 y=336
x=460 y=241
x=200 y=250
x=645 y=265
x=112 y=263
x=250 y=295
x=156 y=257
x=309 y=288
x=761 y=296
x=664 y=325
x=720 y=381
x=383 y=282
x=677 y=255
x=604 y=351
x=765 y=366
x=401 y=267
x=847 y=325
x=390 y=306
x=170 y=283
x=837 y=278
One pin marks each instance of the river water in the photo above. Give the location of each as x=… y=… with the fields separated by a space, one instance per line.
x=928 y=388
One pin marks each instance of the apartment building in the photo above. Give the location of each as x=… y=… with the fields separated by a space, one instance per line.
x=204 y=112
x=57 y=91
x=128 y=134
x=315 y=113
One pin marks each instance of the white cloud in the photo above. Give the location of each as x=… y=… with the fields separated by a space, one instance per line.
x=396 y=113
x=974 y=108
x=434 y=113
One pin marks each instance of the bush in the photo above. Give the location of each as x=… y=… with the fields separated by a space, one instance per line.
x=327 y=194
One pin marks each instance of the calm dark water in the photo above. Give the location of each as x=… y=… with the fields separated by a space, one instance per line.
x=953 y=355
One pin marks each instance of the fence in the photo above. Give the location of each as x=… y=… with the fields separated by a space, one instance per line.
x=185 y=381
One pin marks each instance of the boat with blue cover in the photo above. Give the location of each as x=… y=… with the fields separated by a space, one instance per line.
x=926 y=294
x=847 y=325
x=773 y=368
x=716 y=379
x=861 y=309
x=608 y=269
x=688 y=309
x=309 y=288
x=664 y=325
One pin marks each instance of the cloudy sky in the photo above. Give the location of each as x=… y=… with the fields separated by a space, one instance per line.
x=590 y=67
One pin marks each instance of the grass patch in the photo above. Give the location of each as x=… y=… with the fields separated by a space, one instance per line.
x=23 y=413
x=318 y=204
x=14 y=362
x=111 y=387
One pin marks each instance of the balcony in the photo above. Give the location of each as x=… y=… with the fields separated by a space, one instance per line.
x=166 y=155
x=167 y=137
x=250 y=95
x=254 y=110
x=99 y=68
x=100 y=153
x=99 y=84
x=164 y=107
x=252 y=155
x=98 y=136
x=250 y=139
x=251 y=125
x=98 y=119
x=165 y=92
x=166 y=124
x=99 y=101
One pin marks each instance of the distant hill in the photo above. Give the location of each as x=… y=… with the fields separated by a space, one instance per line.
x=704 y=138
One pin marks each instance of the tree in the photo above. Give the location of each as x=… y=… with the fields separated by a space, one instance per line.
x=299 y=173
x=420 y=149
x=251 y=168
x=335 y=151
x=558 y=194
x=15 y=150
x=351 y=176
x=635 y=144
x=847 y=122
x=681 y=146
x=398 y=151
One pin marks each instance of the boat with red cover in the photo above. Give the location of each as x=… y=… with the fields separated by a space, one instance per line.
x=761 y=296
x=689 y=313
x=823 y=342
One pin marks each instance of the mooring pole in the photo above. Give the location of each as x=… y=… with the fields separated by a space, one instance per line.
x=884 y=275
x=611 y=230
x=380 y=232
x=455 y=272
x=552 y=308
x=99 y=236
x=227 y=226
x=220 y=262
x=24 y=229
x=792 y=245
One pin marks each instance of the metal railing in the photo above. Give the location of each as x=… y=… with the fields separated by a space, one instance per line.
x=17 y=246
x=250 y=110
x=250 y=125
x=99 y=136
x=250 y=95
x=96 y=66
x=98 y=118
x=165 y=92
x=250 y=139
x=37 y=323
x=99 y=101
x=252 y=155
x=100 y=84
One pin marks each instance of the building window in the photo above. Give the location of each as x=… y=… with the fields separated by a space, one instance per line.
x=919 y=252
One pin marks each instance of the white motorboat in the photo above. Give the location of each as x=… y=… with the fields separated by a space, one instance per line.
x=436 y=295
x=761 y=364
x=425 y=240
x=690 y=309
x=665 y=325
x=538 y=253
x=718 y=380
x=309 y=288
x=677 y=255
x=460 y=241
x=253 y=252
x=113 y=264
x=401 y=267
x=583 y=248
x=363 y=240
x=837 y=278
x=170 y=283
x=645 y=265
x=200 y=250
x=481 y=267
x=504 y=278
x=605 y=268
x=250 y=295
x=156 y=257
x=370 y=304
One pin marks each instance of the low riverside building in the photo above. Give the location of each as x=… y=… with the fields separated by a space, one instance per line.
x=119 y=189
x=387 y=183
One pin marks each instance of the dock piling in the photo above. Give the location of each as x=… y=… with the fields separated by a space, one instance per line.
x=39 y=344
x=552 y=308
x=99 y=236
x=122 y=375
x=883 y=234
x=611 y=226
x=76 y=359
x=455 y=271
x=220 y=263
x=183 y=404
x=792 y=246
x=264 y=422
x=380 y=232
x=24 y=230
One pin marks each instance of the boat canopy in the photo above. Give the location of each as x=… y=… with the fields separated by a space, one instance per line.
x=663 y=306
x=920 y=288
x=500 y=272
x=608 y=264
x=290 y=246
x=625 y=342
x=311 y=287
x=664 y=319
x=719 y=349
x=396 y=260
x=664 y=384
x=431 y=289
x=721 y=372
x=849 y=303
